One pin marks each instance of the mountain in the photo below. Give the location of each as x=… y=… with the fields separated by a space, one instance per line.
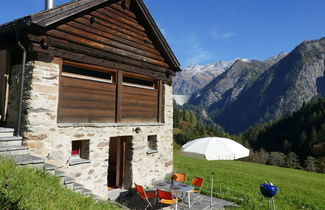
x=284 y=87
x=225 y=88
x=195 y=77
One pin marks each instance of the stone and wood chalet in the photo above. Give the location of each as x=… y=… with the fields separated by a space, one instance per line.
x=87 y=85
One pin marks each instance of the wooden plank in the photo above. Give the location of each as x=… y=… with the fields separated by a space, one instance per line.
x=135 y=120
x=82 y=104
x=139 y=91
x=89 y=58
x=102 y=19
x=143 y=97
x=100 y=25
x=139 y=110
x=119 y=95
x=68 y=45
x=139 y=102
x=139 y=115
x=52 y=16
x=99 y=45
x=112 y=40
x=85 y=119
x=114 y=35
x=91 y=67
x=85 y=97
x=116 y=15
x=86 y=112
x=125 y=11
x=86 y=84
x=116 y=20
x=160 y=101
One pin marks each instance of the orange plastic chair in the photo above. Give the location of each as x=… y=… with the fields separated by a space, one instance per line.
x=145 y=195
x=166 y=197
x=196 y=182
x=179 y=177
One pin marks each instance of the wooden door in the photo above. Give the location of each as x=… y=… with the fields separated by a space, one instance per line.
x=116 y=163
x=4 y=79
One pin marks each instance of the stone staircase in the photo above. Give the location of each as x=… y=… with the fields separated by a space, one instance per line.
x=11 y=146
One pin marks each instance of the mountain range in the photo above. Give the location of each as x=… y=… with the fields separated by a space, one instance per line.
x=248 y=92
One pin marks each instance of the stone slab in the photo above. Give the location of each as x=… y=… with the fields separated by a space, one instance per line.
x=27 y=159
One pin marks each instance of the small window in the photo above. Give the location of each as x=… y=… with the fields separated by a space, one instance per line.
x=139 y=82
x=87 y=74
x=79 y=152
x=152 y=144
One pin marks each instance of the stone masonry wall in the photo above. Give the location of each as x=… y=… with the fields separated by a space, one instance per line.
x=52 y=141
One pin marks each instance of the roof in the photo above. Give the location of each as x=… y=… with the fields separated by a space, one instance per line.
x=63 y=11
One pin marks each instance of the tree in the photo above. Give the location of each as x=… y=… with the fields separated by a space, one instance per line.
x=302 y=143
x=177 y=117
x=313 y=137
x=292 y=161
x=310 y=164
x=277 y=159
x=286 y=147
x=193 y=119
x=186 y=116
x=321 y=133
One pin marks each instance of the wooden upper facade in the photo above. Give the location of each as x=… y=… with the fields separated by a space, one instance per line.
x=113 y=59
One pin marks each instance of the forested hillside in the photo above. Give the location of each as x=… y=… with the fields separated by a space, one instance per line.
x=301 y=132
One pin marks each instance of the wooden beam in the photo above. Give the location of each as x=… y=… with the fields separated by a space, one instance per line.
x=89 y=58
x=160 y=102
x=119 y=95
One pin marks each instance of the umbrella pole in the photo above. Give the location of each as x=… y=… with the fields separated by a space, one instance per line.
x=211 y=204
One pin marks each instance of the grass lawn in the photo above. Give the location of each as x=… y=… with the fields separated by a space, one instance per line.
x=239 y=181
x=26 y=188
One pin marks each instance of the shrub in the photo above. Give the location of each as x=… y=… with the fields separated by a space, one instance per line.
x=277 y=159
x=310 y=164
x=292 y=161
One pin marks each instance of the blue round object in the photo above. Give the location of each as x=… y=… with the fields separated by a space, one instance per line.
x=268 y=190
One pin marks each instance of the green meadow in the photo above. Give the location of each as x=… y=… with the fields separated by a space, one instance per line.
x=239 y=181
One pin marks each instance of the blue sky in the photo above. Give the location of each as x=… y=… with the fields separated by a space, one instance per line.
x=206 y=31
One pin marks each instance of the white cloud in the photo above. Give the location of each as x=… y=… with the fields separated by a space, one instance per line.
x=194 y=51
x=216 y=34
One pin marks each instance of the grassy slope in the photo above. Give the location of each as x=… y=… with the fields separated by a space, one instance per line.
x=239 y=181
x=25 y=188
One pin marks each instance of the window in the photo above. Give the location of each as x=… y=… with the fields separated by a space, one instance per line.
x=152 y=144
x=135 y=81
x=87 y=74
x=79 y=152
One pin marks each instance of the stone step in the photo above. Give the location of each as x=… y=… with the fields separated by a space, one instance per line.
x=10 y=140
x=13 y=150
x=60 y=173
x=114 y=194
x=6 y=132
x=68 y=180
x=27 y=159
x=50 y=168
x=77 y=186
x=86 y=191
x=95 y=197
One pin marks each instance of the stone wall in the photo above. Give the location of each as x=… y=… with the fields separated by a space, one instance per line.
x=52 y=141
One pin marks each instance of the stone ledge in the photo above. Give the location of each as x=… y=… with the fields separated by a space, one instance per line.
x=78 y=161
x=101 y=125
x=152 y=151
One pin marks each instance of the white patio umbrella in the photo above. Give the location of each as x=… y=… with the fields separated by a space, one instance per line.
x=215 y=148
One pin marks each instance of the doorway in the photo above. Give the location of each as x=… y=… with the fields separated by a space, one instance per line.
x=119 y=163
x=4 y=84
